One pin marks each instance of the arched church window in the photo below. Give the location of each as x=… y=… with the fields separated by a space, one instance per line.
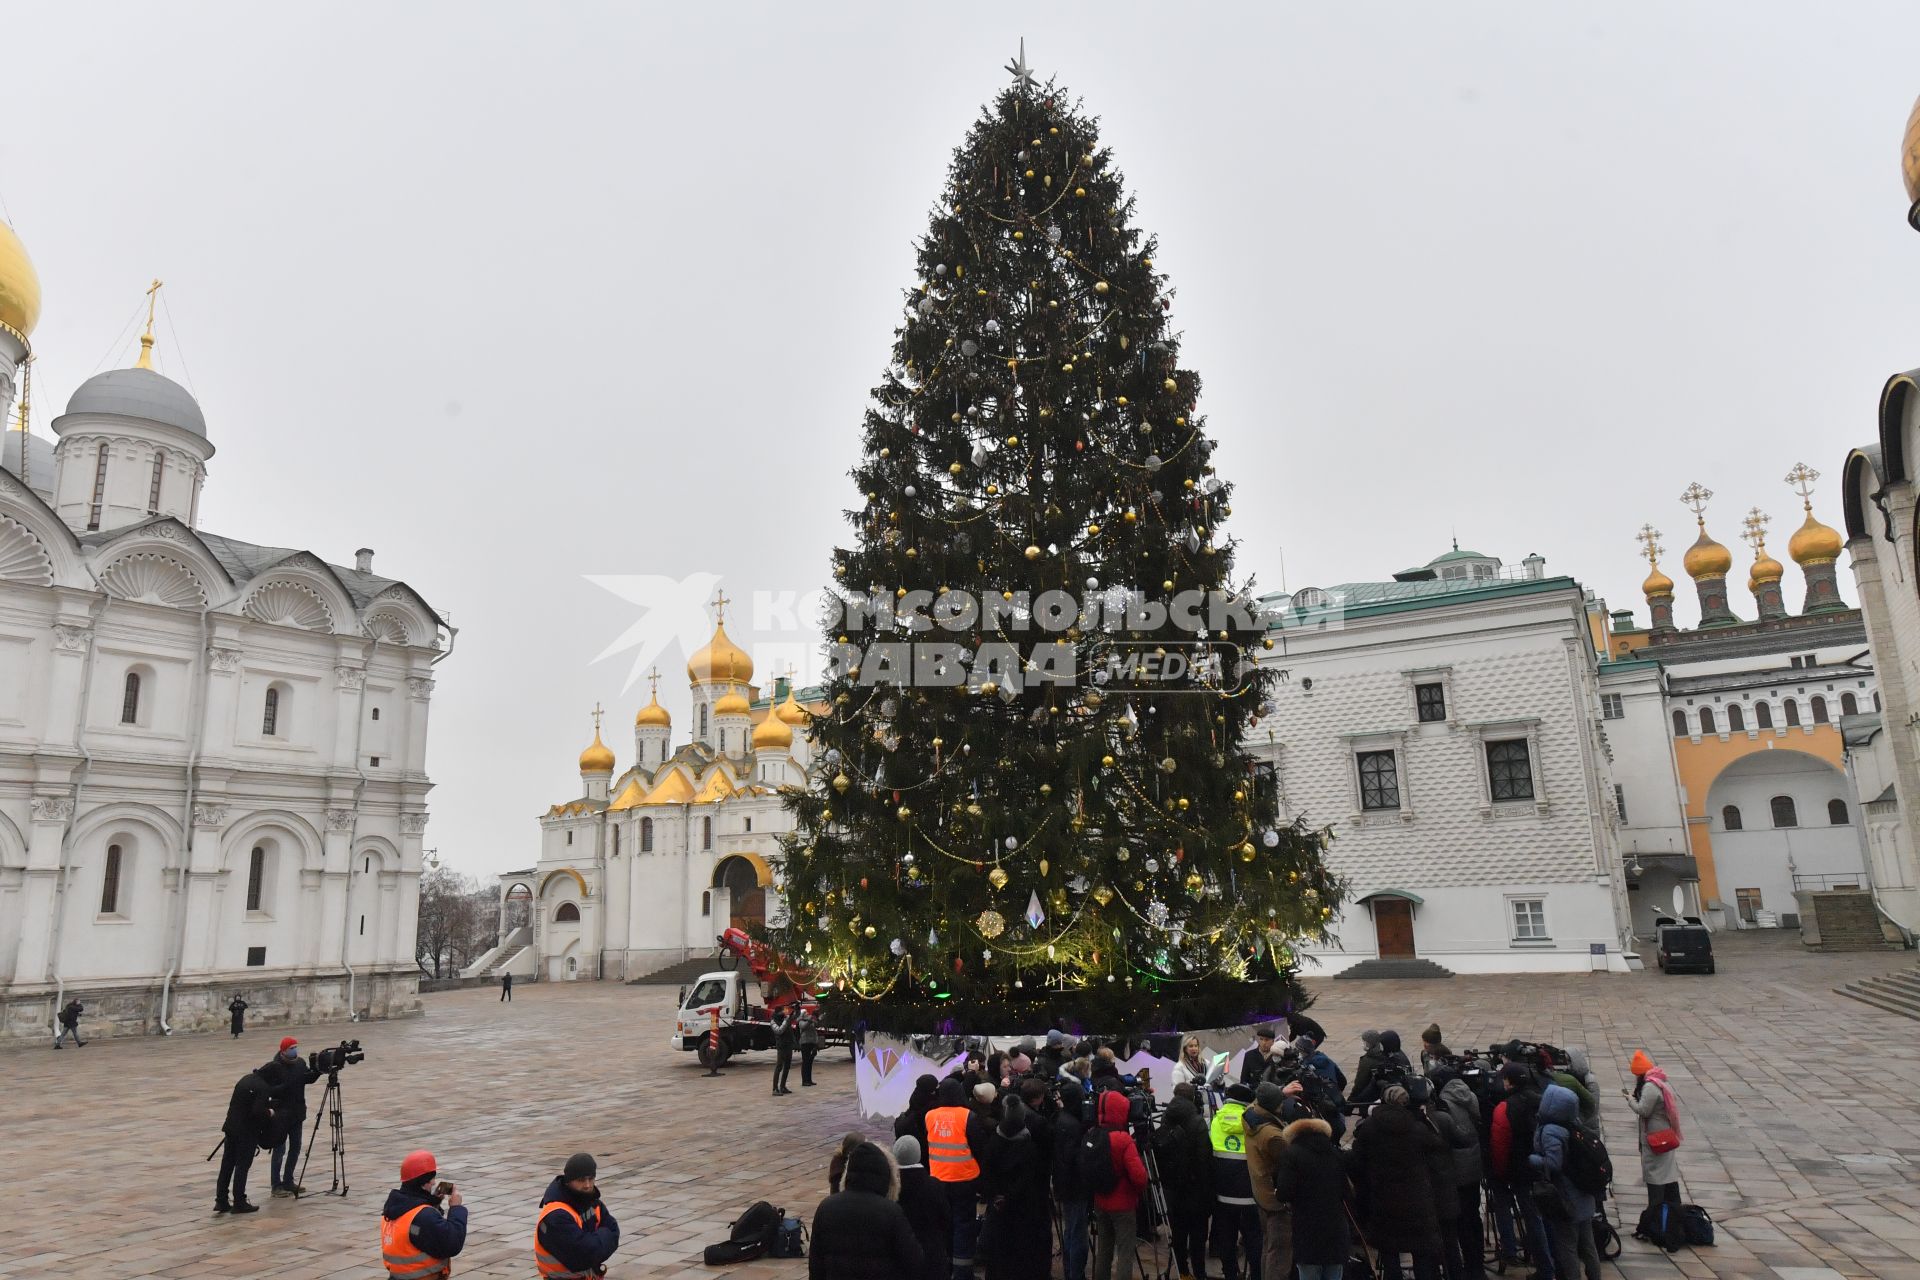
x=646 y=835
x=1763 y=715
x=1736 y=718
x=153 y=490
x=110 y=886
x=567 y=914
x=1706 y=720
x=1849 y=705
x=1679 y=723
x=1876 y=699
x=256 y=877
x=1784 y=813
x=1819 y=709
x=706 y=833
x=616 y=839
x=130 y=699
x=706 y=903
x=270 y=715
x=703 y=723
x=1837 y=812
x=1730 y=817
x=1792 y=709
x=99 y=488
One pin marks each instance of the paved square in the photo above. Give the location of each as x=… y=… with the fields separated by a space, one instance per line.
x=1803 y=1124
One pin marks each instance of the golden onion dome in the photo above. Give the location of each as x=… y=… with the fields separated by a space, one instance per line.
x=732 y=703
x=721 y=659
x=1910 y=156
x=19 y=286
x=1707 y=558
x=1765 y=569
x=772 y=732
x=791 y=711
x=1657 y=584
x=653 y=714
x=597 y=758
x=1814 y=543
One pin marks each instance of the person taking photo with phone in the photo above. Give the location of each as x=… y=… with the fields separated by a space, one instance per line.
x=418 y=1241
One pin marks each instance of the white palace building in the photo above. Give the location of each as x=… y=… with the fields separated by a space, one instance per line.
x=212 y=751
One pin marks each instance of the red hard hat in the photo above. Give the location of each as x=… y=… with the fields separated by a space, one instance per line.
x=417 y=1164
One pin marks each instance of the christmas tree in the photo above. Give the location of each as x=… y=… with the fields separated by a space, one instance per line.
x=1030 y=801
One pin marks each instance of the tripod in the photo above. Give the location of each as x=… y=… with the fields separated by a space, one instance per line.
x=1157 y=1217
x=330 y=1112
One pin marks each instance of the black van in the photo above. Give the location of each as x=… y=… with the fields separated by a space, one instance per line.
x=1683 y=946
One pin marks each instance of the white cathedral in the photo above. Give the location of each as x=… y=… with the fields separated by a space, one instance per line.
x=212 y=751
x=647 y=866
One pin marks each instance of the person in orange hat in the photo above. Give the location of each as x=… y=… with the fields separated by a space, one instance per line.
x=289 y=1098
x=1654 y=1101
x=417 y=1240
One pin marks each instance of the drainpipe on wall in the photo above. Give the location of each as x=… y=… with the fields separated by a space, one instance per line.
x=196 y=716
x=353 y=832
x=66 y=837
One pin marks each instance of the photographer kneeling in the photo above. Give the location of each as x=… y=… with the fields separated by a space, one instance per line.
x=417 y=1241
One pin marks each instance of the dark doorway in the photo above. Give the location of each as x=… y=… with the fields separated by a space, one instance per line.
x=1393 y=927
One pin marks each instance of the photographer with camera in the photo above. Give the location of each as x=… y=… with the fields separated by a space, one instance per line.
x=575 y=1235
x=1184 y=1151
x=248 y=1127
x=1263 y=1061
x=289 y=1101
x=417 y=1240
x=1509 y=1146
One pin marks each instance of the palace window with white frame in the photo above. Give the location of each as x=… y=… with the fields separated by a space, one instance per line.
x=1430 y=702
x=1528 y=919
x=1613 y=706
x=1379 y=780
x=1509 y=770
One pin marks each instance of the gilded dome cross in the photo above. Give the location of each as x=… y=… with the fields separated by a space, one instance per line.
x=1801 y=479
x=1754 y=529
x=1696 y=497
x=1649 y=540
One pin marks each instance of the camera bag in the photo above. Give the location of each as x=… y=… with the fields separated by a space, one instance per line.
x=752 y=1234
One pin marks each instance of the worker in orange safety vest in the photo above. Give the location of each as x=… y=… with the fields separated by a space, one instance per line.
x=956 y=1138
x=574 y=1234
x=417 y=1240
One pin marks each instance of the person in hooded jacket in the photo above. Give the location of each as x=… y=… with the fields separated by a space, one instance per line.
x=926 y=1209
x=249 y=1123
x=1014 y=1243
x=913 y=1121
x=1311 y=1179
x=1114 y=1210
x=1389 y=1164
x=1455 y=1113
x=1185 y=1153
x=1441 y=1173
x=1582 y=1072
x=414 y=1231
x=575 y=1232
x=1262 y=1122
x=1509 y=1142
x=1073 y=1198
x=861 y=1232
x=1570 y=1214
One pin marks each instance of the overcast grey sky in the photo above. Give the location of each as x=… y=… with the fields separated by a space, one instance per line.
x=518 y=293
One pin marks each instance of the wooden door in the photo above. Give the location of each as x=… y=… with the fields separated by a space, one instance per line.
x=1393 y=927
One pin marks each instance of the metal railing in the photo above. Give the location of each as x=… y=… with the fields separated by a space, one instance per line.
x=1819 y=883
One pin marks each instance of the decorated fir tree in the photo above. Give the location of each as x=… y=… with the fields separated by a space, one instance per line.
x=1031 y=806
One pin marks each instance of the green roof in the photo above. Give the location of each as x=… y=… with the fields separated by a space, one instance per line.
x=1366 y=599
x=1458 y=554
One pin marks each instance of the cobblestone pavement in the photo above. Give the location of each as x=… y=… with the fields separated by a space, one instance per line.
x=1803 y=1128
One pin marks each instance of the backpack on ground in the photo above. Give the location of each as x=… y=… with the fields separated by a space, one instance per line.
x=1097 y=1173
x=1589 y=1167
x=752 y=1234
x=1661 y=1225
x=791 y=1240
x=1696 y=1224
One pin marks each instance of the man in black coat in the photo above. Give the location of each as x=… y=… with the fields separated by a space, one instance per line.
x=1310 y=1177
x=925 y=1205
x=289 y=1102
x=70 y=1024
x=785 y=1037
x=1262 y=1062
x=860 y=1233
x=248 y=1126
x=1074 y=1199
x=238 y=1022
x=1391 y=1172
x=1185 y=1154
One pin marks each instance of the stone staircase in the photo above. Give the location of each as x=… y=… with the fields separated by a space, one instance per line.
x=490 y=962
x=1894 y=992
x=1844 y=920
x=1395 y=968
x=678 y=974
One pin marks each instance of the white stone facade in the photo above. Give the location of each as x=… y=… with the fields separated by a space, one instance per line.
x=212 y=752
x=1515 y=874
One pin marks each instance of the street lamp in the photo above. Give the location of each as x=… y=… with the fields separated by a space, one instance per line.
x=433 y=859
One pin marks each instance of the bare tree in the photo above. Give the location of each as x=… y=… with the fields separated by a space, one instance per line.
x=450 y=925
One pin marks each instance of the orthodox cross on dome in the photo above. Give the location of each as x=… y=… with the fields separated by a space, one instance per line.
x=1018 y=68
x=720 y=603
x=1649 y=540
x=1754 y=529
x=653 y=683
x=1801 y=480
x=598 y=711
x=146 y=339
x=1696 y=497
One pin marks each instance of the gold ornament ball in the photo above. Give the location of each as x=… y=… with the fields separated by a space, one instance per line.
x=1107 y=761
x=1100 y=287
x=886 y=453
x=1239 y=796
x=1066 y=368
x=1146 y=262
x=1021 y=235
x=1266 y=642
x=989 y=687
x=1102 y=895
x=1033 y=552
x=1122 y=853
x=1013 y=441
x=912 y=554
x=1179 y=422
x=1121 y=401
x=841 y=782
x=1170 y=385
x=1194 y=882
x=992 y=489
x=954 y=468
x=1054 y=132
x=1046 y=788
x=870 y=931
x=975 y=811
x=1167 y=585
x=1029 y=173
x=1246 y=853
x=904 y=813
x=1080 y=193
x=1130 y=517
x=826 y=815
x=1182 y=802
x=1093 y=530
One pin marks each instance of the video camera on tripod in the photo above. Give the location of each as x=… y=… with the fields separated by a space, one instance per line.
x=330 y=1061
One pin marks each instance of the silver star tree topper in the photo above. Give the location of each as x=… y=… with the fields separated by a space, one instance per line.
x=1018 y=68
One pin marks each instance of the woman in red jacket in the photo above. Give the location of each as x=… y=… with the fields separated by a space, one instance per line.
x=1113 y=1210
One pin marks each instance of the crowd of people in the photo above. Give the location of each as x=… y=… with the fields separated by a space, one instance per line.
x=1283 y=1165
